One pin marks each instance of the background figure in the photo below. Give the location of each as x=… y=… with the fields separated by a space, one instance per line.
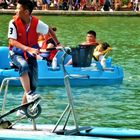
x=56 y=5
x=39 y=4
x=117 y=5
x=6 y=4
x=106 y=6
x=75 y=4
x=65 y=5
x=95 y=4
x=46 y=4
x=60 y=2
x=35 y=4
x=82 y=4
x=136 y=5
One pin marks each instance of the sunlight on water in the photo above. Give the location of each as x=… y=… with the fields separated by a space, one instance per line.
x=116 y=106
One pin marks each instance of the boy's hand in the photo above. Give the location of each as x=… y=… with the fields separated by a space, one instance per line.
x=32 y=51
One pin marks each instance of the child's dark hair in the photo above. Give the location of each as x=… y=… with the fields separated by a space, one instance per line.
x=105 y=45
x=92 y=32
x=27 y=5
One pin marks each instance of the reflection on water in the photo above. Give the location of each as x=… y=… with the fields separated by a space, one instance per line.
x=116 y=106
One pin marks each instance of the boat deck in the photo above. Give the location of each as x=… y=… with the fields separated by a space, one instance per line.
x=43 y=132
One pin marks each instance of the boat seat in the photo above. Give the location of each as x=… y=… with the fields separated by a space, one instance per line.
x=59 y=55
x=4 y=51
x=82 y=55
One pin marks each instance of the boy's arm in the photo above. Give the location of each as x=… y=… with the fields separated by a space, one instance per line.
x=19 y=45
x=51 y=32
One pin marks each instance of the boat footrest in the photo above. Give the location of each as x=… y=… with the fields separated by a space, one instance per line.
x=73 y=131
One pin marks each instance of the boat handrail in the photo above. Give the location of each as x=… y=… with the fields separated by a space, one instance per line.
x=5 y=83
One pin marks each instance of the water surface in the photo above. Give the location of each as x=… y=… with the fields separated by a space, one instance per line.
x=115 y=106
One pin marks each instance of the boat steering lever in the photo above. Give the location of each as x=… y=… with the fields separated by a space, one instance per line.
x=70 y=106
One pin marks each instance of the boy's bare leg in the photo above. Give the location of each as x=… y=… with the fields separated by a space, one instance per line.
x=25 y=81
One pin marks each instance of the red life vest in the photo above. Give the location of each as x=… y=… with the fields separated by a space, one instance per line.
x=52 y=53
x=90 y=43
x=29 y=38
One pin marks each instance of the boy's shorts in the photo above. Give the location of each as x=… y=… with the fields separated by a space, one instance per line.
x=29 y=66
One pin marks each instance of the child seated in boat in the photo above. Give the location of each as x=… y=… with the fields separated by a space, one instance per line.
x=47 y=44
x=100 y=51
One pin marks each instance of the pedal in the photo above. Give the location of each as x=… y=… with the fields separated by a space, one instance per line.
x=32 y=114
x=35 y=104
x=33 y=109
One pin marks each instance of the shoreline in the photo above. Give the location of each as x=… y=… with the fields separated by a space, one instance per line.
x=77 y=13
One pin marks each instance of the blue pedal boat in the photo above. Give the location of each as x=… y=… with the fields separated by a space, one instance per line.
x=95 y=74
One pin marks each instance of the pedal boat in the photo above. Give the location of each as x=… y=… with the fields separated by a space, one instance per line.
x=95 y=74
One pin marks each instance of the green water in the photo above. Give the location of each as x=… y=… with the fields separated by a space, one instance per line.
x=116 y=106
